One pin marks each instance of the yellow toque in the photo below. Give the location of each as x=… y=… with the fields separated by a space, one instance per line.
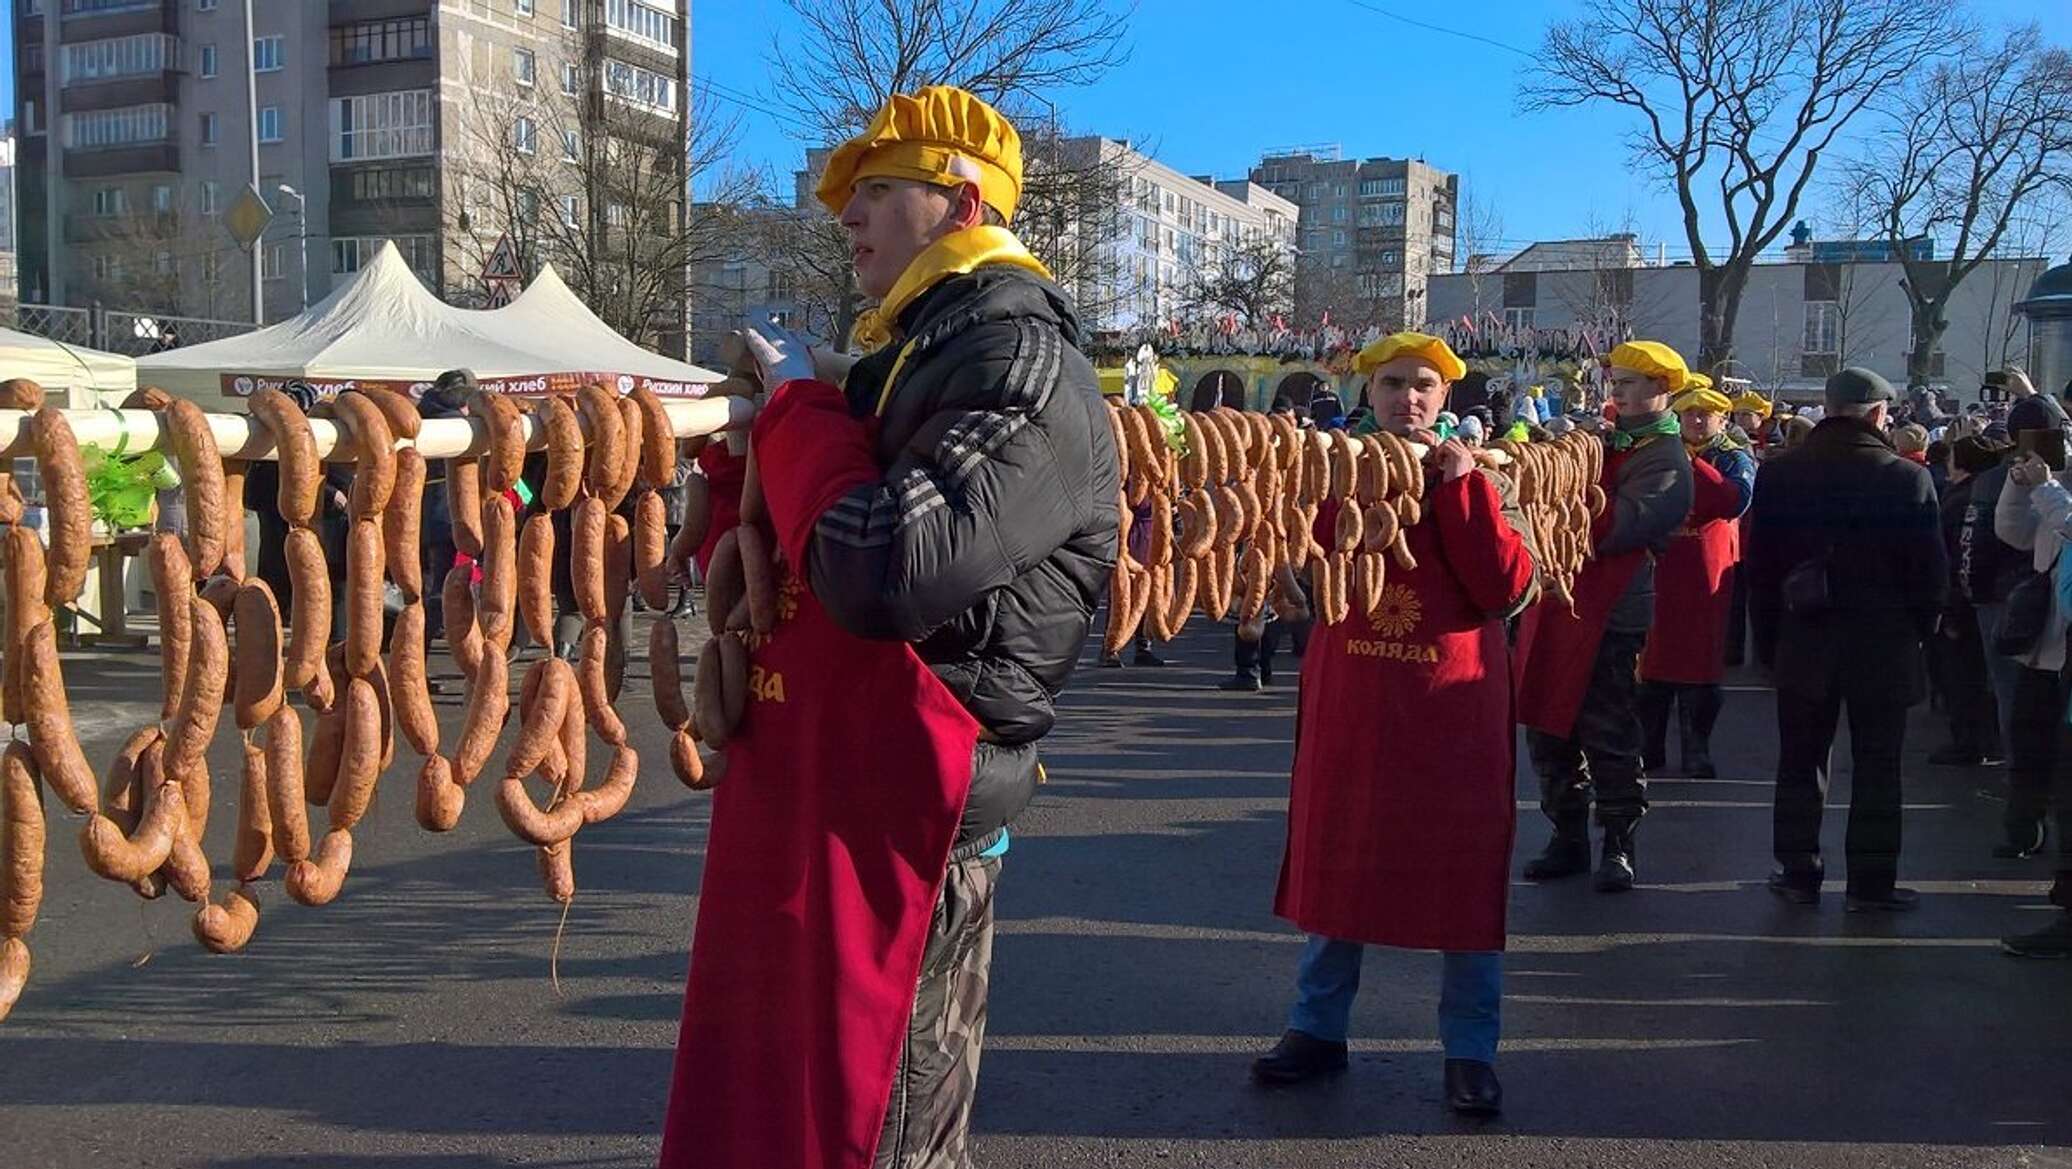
x=1702 y=398
x=1652 y=359
x=938 y=134
x=1431 y=350
x=1752 y=402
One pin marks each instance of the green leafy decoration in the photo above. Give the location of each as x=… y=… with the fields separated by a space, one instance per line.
x=119 y=486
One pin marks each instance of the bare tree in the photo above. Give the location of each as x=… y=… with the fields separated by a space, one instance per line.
x=1966 y=149
x=598 y=183
x=1738 y=100
x=1481 y=225
x=848 y=56
x=1252 y=280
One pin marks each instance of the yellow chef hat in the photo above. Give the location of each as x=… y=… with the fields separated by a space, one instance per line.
x=1430 y=349
x=1752 y=402
x=938 y=134
x=1652 y=359
x=1701 y=398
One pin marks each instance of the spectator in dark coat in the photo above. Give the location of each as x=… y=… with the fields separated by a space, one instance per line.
x=1958 y=656
x=1847 y=577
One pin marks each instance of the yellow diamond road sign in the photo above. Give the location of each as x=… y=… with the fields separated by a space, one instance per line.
x=247 y=217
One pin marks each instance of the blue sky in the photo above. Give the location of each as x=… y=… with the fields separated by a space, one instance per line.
x=1213 y=83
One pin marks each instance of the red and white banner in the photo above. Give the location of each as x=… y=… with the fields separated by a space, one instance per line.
x=532 y=385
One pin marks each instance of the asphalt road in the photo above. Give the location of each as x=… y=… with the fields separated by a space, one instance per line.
x=415 y=1023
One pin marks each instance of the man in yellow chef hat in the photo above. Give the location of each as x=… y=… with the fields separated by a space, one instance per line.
x=951 y=494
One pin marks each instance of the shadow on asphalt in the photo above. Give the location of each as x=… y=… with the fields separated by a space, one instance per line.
x=1138 y=969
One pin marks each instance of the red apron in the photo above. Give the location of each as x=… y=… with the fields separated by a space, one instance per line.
x=724 y=474
x=1401 y=809
x=1694 y=586
x=1557 y=649
x=830 y=835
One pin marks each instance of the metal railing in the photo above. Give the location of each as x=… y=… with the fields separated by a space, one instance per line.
x=131 y=333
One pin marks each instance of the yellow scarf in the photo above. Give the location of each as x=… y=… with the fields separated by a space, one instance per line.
x=956 y=254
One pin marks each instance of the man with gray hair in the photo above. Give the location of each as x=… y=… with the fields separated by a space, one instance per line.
x=1847 y=575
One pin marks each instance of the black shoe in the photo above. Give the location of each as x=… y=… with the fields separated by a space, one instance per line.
x=1796 y=889
x=1992 y=759
x=1146 y=658
x=2052 y=941
x=1472 y=1088
x=2013 y=850
x=1894 y=900
x=1111 y=661
x=1566 y=855
x=1615 y=874
x=1297 y=1057
x=1239 y=683
x=1655 y=763
x=1699 y=766
x=1954 y=756
x=1266 y=677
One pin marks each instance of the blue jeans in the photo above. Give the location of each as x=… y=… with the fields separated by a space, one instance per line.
x=1471 y=996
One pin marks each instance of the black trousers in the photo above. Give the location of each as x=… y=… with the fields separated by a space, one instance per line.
x=2037 y=725
x=1254 y=659
x=1600 y=758
x=1805 y=744
x=1960 y=663
x=1737 y=620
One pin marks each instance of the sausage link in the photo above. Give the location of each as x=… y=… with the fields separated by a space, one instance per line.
x=488 y=702
x=364 y=610
x=557 y=871
x=724 y=584
x=397 y=410
x=172 y=582
x=284 y=792
x=439 y=799
x=689 y=765
x=21 y=838
x=317 y=880
x=225 y=928
x=373 y=450
x=536 y=577
x=254 y=848
x=71 y=515
x=463 y=635
x=587 y=531
x=554 y=687
x=359 y=759
x=55 y=744
x=506 y=459
x=14 y=973
x=565 y=449
x=631 y=426
x=605 y=800
x=496 y=611
x=201 y=479
x=295 y=449
x=260 y=689
x=594 y=687
x=657 y=439
x=665 y=674
x=413 y=691
x=128 y=858
x=759 y=577
x=650 y=548
x=464 y=504
x=402 y=525
x=606 y=431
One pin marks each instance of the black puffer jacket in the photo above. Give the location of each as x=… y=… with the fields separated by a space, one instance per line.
x=989 y=539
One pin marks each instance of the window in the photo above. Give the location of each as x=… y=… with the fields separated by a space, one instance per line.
x=1338 y=237
x=205 y=61
x=162 y=197
x=617 y=214
x=528 y=205
x=1823 y=326
x=568 y=14
x=129 y=126
x=523 y=7
x=568 y=79
x=32 y=57
x=211 y=196
x=374 y=184
x=164 y=263
x=641 y=22
x=641 y=86
x=110 y=201
x=32 y=121
x=381 y=125
x=571 y=211
x=522 y=66
x=107 y=268
x=349 y=253
x=119 y=57
x=204 y=5
x=273 y=261
x=1391 y=258
x=1338 y=214
x=525 y=135
x=1319 y=190
x=404 y=39
x=212 y=266
x=269 y=123
x=569 y=144
x=1519 y=318
x=267 y=54
x=208 y=129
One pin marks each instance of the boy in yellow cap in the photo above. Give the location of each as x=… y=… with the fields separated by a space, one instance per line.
x=1576 y=690
x=1694 y=588
x=1397 y=837
x=953 y=499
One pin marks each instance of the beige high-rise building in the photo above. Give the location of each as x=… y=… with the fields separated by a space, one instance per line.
x=1372 y=232
x=374 y=115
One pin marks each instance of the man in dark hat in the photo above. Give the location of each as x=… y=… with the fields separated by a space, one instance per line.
x=1847 y=576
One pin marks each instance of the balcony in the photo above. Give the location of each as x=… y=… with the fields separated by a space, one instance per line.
x=356 y=11
x=137 y=89
x=129 y=158
x=93 y=20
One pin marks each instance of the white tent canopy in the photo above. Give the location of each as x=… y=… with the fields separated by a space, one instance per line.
x=385 y=328
x=74 y=375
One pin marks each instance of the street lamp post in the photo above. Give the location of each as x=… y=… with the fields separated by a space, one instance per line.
x=301 y=236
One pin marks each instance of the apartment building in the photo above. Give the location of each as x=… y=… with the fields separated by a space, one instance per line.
x=370 y=119
x=7 y=277
x=1373 y=231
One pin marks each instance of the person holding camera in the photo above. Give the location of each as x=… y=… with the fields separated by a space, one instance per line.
x=2027 y=517
x=1847 y=577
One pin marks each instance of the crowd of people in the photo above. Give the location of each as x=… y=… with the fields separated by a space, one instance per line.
x=943 y=509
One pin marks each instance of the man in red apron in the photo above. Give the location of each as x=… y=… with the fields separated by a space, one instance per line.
x=1400 y=816
x=1576 y=676
x=1694 y=586
x=947 y=523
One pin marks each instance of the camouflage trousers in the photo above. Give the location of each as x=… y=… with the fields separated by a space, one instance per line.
x=926 y=1126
